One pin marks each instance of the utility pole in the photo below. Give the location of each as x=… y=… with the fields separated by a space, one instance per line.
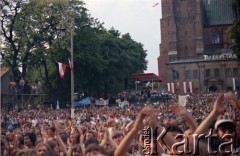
x=72 y=73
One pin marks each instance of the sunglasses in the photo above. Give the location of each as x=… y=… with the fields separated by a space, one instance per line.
x=229 y=128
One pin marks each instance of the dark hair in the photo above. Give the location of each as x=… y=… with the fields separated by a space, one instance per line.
x=51 y=143
x=32 y=137
x=174 y=128
x=52 y=129
x=95 y=147
x=20 y=139
x=117 y=134
x=77 y=148
x=91 y=140
x=49 y=153
x=64 y=136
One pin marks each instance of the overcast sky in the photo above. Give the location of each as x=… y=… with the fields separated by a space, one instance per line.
x=137 y=17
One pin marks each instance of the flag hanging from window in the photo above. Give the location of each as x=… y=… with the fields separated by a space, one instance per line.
x=62 y=69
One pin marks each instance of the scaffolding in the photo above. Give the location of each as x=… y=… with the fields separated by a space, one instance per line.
x=22 y=101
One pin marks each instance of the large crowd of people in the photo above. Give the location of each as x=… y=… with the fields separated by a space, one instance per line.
x=134 y=130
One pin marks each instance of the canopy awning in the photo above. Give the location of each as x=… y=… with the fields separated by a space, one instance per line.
x=147 y=77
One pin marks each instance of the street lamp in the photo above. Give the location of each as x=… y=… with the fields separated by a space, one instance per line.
x=71 y=65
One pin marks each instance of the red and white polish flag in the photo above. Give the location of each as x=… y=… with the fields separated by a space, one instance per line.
x=62 y=69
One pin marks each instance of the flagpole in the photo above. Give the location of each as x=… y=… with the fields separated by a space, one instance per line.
x=72 y=74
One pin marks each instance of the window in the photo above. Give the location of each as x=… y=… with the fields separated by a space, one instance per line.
x=169 y=59
x=187 y=74
x=228 y=72
x=207 y=73
x=175 y=75
x=186 y=51
x=215 y=37
x=216 y=72
x=172 y=58
x=235 y=72
x=195 y=74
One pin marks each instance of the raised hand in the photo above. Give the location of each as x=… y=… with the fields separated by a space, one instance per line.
x=219 y=106
x=151 y=114
x=57 y=128
x=235 y=102
x=80 y=130
x=178 y=110
x=138 y=124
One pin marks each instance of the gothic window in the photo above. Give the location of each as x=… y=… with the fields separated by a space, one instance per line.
x=215 y=37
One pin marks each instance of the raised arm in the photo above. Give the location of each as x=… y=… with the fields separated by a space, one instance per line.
x=233 y=99
x=106 y=138
x=121 y=150
x=218 y=108
x=182 y=111
x=43 y=132
x=163 y=137
x=81 y=139
x=59 y=139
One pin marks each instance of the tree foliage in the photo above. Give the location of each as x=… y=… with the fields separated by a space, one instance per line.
x=234 y=33
x=104 y=60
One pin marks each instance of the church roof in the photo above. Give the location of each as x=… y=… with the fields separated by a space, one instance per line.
x=220 y=12
x=3 y=71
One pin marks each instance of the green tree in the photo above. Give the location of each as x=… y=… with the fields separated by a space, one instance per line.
x=234 y=33
x=104 y=60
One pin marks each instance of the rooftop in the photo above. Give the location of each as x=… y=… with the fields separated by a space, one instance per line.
x=3 y=71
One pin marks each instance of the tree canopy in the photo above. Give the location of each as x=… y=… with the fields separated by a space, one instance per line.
x=234 y=33
x=104 y=60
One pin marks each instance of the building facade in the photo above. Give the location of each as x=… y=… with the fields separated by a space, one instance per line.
x=195 y=46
